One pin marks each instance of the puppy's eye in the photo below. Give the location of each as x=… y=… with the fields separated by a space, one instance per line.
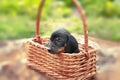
x=58 y=39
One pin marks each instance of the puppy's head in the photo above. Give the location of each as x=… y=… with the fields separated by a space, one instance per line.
x=62 y=41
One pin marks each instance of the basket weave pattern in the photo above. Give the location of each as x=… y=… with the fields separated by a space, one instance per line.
x=63 y=66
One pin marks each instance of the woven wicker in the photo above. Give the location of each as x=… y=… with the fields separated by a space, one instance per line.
x=63 y=66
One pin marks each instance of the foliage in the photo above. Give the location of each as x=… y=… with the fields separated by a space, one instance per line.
x=53 y=7
x=106 y=8
x=106 y=28
x=27 y=7
x=15 y=27
x=23 y=27
x=18 y=18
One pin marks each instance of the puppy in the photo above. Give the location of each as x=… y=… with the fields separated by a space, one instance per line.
x=61 y=41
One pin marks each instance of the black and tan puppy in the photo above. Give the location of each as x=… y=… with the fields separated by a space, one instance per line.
x=62 y=41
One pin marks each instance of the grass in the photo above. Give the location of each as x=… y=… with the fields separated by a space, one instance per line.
x=105 y=28
x=12 y=27
x=17 y=27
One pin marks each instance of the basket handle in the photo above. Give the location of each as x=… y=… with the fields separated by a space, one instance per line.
x=81 y=12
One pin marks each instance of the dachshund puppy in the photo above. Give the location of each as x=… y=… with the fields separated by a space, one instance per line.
x=61 y=41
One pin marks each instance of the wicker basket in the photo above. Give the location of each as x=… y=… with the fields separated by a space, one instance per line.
x=61 y=66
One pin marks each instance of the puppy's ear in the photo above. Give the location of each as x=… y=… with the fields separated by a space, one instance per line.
x=72 y=45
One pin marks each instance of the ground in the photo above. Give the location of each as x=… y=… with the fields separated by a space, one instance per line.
x=13 y=61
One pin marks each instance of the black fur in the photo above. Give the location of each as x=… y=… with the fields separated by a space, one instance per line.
x=60 y=40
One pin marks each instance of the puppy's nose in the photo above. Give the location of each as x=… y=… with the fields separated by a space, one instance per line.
x=49 y=50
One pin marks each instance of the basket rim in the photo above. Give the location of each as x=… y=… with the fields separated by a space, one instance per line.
x=31 y=41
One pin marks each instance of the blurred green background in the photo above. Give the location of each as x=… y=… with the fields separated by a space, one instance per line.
x=17 y=18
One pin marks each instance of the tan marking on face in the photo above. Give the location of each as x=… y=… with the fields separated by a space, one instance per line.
x=62 y=49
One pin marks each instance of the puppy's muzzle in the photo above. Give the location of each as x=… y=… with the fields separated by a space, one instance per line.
x=48 y=45
x=49 y=50
x=54 y=49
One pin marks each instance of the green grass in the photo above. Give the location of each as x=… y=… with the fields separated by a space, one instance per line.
x=105 y=28
x=12 y=27
x=17 y=27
